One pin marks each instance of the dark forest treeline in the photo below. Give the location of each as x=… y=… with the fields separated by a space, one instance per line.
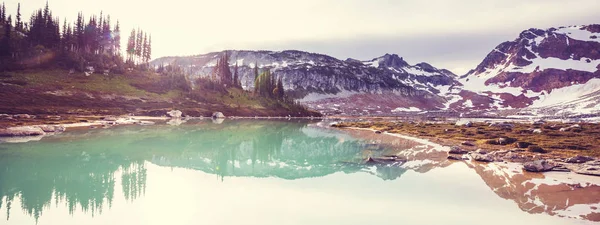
x=46 y=41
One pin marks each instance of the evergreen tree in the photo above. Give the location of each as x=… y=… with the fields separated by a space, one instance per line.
x=149 y=50
x=222 y=70
x=117 y=37
x=138 y=45
x=236 y=78
x=255 y=77
x=78 y=32
x=19 y=23
x=5 y=44
x=131 y=46
x=280 y=92
x=3 y=14
x=145 y=49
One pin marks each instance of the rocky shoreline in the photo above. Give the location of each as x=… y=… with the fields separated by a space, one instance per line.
x=532 y=158
x=20 y=128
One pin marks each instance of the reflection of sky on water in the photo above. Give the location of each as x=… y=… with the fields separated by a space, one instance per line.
x=271 y=172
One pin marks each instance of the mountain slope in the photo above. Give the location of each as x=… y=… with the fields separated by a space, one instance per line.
x=329 y=84
x=541 y=72
x=529 y=72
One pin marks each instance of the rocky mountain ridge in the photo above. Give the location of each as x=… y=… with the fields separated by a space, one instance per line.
x=531 y=73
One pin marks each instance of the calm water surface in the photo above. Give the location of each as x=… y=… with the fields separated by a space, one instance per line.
x=249 y=172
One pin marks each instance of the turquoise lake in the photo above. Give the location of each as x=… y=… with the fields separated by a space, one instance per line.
x=258 y=172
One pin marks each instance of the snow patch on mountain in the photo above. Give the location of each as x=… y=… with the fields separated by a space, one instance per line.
x=567 y=94
x=410 y=109
x=312 y=97
x=578 y=33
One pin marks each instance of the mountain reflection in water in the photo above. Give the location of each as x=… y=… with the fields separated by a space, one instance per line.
x=87 y=170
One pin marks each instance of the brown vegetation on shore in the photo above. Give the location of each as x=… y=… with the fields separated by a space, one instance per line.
x=556 y=139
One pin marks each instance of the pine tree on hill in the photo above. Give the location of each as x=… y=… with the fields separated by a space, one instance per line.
x=236 y=78
x=117 y=36
x=145 y=49
x=138 y=45
x=280 y=91
x=255 y=77
x=149 y=50
x=131 y=46
x=3 y=14
x=19 y=23
x=5 y=44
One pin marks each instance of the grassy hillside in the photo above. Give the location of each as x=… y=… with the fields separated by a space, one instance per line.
x=141 y=93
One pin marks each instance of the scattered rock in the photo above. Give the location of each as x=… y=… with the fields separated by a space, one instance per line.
x=464 y=123
x=522 y=144
x=52 y=128
x=481 y=151
x=457 y=150
x=538 y=166
x=536 y=149
x=455 y=157
x=21 y=131
x=503 y=125
x=482 y=157
x=537 y=131
x=218 y=115
x=378 y=132
x=574 y=128
x=467 y=143
x=110 y=118
x=126 y=121
x=506 y=140
x=538 y=122
x=174 y=113
x=579 y=159
x=23 y=116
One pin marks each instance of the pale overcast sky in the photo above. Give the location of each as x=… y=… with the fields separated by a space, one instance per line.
x=448 y=34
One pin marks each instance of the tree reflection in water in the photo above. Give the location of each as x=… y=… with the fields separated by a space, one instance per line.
x=81 y=169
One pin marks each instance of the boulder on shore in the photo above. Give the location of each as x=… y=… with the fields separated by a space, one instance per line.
x=21 y=131
x=174 y=113
x=218 y=115
x=457 y=150
x=464 y=123
x=579 y=159
x=538 y=166
x=482 y=157
x=467 y=143
x=455 y=157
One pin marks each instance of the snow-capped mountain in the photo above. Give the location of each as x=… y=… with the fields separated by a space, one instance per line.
x=540 y=70
x=376 y=86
